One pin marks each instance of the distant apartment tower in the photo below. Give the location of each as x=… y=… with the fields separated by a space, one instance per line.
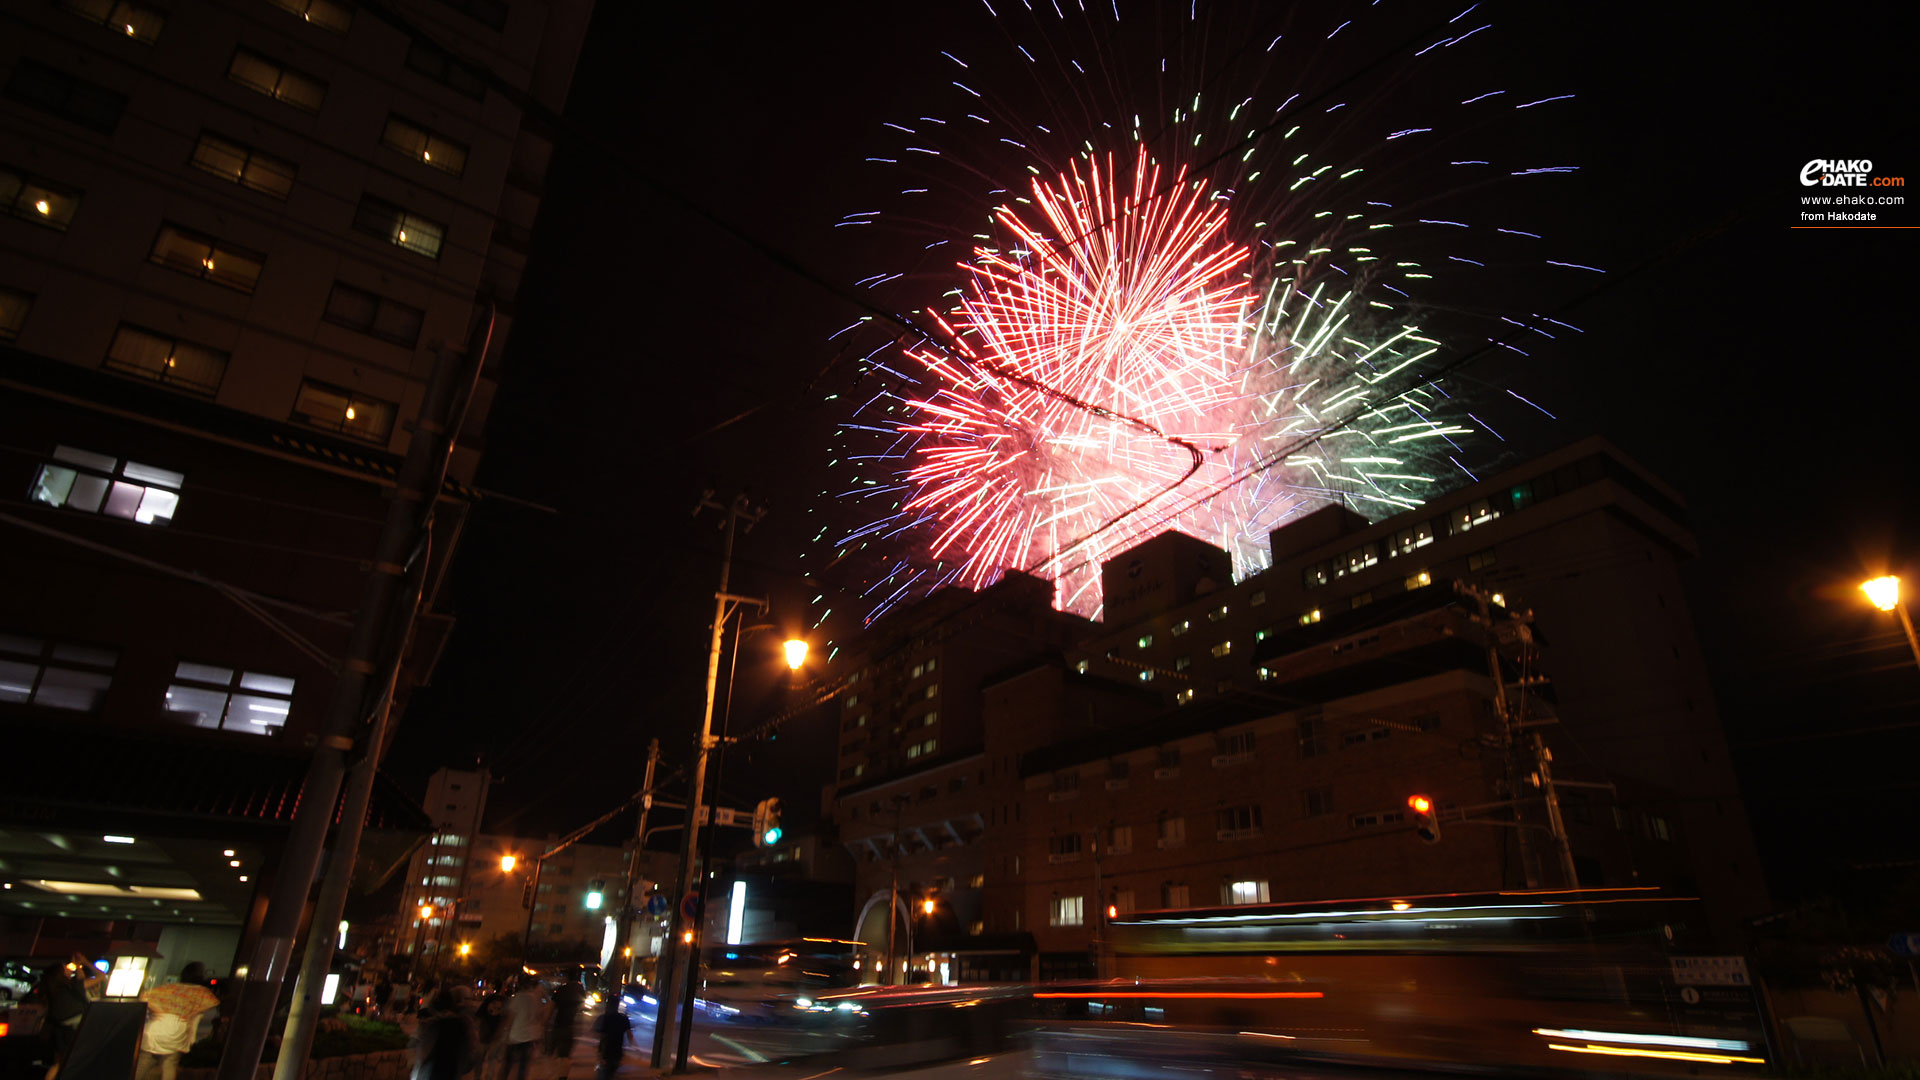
x=441 y=870
x=235 y=239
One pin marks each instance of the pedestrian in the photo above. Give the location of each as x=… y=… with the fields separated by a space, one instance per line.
x=68 y=990
x=383 y=996
x=490 y=1027
x=567 y=999
x=444 y=1045
x=174 y=1012
x=526 y=1023
x=615 y=1029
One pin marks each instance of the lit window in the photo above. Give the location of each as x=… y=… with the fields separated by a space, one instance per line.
x=182 y=365
x=1183 y=696
x=1067 y=911
x=1264 y=633
x=1182 y=627
x=424 y=145
x=224 y=699
x=74 y=100
x=264 y=75
x=1246 y=892
x=203 y=256
x=54 y=674
x=334 y=408
x=1147 y=675
x=1217 y=613
x=1081 y=667
x=374 y=315
x=1182 y=663
x=325 y=14
x=1419 y=581
x=1145 y=640
x=457 y=75
x=931 y=692
x=397 y=226
x=14 y=306
x=1310 y=617
x=235 y=161
x=137 y=21
x=97 y=484
x=1223 y=648
x=42 y=202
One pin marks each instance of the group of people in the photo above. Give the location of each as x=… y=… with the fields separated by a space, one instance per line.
x=497 y=1036
x=176 y=1012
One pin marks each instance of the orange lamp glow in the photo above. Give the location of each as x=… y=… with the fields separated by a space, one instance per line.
x=426 y=911
x=1420 y=804
x=507 y=863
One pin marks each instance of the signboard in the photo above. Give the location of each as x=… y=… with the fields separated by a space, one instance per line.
x=690 y=907
x=1710 y=970
x=656 y=905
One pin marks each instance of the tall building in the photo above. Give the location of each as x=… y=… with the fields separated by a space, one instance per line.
x=235 y=240
x=1213 y=742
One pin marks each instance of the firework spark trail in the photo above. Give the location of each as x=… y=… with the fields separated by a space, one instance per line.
x=1131 y=348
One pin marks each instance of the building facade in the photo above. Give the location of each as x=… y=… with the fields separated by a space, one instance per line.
x=237 y=241
x=1212 y=742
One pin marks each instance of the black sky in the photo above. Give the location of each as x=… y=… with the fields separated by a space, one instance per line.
x=1764 y=372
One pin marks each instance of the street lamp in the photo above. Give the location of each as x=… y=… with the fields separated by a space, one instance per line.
x=1884 y=593
x=507 y=863
x=796 y=653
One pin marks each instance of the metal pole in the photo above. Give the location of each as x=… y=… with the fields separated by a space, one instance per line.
x=415 y=488
x=1543 y=761
x=893 y=892
x=533 y=904
x=690 y=849
x=1906 y=623
x=1501 y=708
x=623 y=959
x=1099 y=911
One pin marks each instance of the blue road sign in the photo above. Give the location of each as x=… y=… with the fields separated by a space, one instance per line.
x=656 y=905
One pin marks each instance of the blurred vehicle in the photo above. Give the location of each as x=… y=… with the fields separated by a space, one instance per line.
x=16 y=980
x=779 y=981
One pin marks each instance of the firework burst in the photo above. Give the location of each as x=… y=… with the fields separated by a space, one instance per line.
x=1157 y=338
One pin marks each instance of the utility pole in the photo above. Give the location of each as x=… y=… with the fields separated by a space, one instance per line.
x=623 y=959
x=1099 y=912
x=1539 y=764
x=352 y=715
x=893 y=890
x=690 y=849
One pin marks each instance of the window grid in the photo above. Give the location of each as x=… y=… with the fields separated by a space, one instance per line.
x=265 y=75
x=72 y=99
x=328 y=15
x=335 y=408
x=93 y=483
x=374 y=315
x=238 y=163
x=183 y=365
x=199 y=255
x=14 y=306
x=455 y=74
x=424 y=145
x=42 y=202
x=57 y=675
x=138 y=21
x=398 y=226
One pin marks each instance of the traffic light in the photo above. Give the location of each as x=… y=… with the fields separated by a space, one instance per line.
x=596 y=892
x=766 y=823
x=1425 y=824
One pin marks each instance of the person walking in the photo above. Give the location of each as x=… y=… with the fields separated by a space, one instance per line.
x=67 y=991
x=615 y=1029
x=490 y=1034
x=445 y=1040
x=174 y=1012
x=526 y=1023
x=568 y=997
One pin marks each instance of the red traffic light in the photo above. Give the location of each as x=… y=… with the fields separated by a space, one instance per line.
x=1420 y=804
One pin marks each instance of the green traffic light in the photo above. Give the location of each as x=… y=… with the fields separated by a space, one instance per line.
x=771 y=836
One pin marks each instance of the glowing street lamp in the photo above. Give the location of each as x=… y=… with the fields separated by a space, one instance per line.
x=426 y=911
x=796 y=653
x=1884 y=593
x=507 y=863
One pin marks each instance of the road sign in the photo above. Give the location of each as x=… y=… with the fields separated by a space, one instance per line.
x=690 y=907
x=1710 y=970
x=657 y=905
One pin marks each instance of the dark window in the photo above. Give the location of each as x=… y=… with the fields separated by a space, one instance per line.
x=1237 y=821
x=491 y=13
x=334 y=408
x=268 y=76
x=235 y=161
x=1481 y=560
x=1312 y=738
x=42 y=202
x=1319 y=802
x=374 y=315
x=202 y=256
x=169 y=361
x=74 y=100
x=396 y=225
x=55 y=674
x=14 y=306
x=333 y=15
x=457 y=75
x=124 y=17
x=425 y=146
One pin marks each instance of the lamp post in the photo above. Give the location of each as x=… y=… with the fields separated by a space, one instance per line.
x=1884 y=593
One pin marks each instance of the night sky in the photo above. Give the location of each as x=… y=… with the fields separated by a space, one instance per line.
x=1764 y=372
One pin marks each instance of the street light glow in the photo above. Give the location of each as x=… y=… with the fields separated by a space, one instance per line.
x=507 y=863
x=426 y=911
x=1883 y=592
x=796 y=653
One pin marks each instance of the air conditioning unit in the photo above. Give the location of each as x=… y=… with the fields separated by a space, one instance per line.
x=1236 y=834
x=1166 y=773
x=1063 y=796
x=1221 y=761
